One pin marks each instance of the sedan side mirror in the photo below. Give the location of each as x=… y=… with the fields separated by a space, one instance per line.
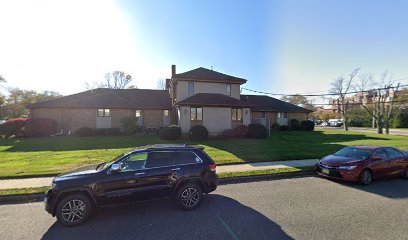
x=376 y=158
x=117 y=167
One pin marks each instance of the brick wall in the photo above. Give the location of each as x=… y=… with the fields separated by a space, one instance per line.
x=152 y=118
x=83 y=117
x=117 y=115
x=49 y=113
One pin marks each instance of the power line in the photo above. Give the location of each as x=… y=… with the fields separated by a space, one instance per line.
x=318 y=95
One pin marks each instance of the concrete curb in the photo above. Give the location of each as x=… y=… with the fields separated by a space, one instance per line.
x=38 y=197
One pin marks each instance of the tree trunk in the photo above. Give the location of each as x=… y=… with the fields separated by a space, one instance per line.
x=345 y=123
x=379 y=126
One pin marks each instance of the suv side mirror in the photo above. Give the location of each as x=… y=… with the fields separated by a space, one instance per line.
x=117 y=167
x=376 y=158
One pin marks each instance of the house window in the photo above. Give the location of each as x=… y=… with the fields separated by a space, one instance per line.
x=138 y=113
x=103 y=112
x=236 y=114
x=196 y=114
x=283 y=115
x=166 y=113
x=190 y=89
x=228 y=89
x=263 y=114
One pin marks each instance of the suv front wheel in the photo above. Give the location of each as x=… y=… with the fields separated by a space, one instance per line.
x=74 y=209
x=189 y=196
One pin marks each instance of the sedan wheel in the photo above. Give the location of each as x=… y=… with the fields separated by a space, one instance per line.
x=73 y=210
x=366 y=178
x=189 y=196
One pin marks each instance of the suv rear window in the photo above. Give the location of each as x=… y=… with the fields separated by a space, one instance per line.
x=187 y=158
x=160 y=159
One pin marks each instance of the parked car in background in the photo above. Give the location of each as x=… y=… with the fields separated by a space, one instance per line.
x=181 y=172
x=363 y=164
x=335 y=122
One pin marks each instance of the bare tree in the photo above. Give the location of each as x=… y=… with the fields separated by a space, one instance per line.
x=114 y=80
x=382 y=95
x=161 y=84
x=341 y=87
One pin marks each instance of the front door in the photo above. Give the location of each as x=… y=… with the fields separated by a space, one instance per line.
x=126 y=185
x=382 y=166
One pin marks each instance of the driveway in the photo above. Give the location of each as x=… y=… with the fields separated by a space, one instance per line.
x=302 y=208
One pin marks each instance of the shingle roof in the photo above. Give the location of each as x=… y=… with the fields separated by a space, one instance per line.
x=266 y=103
x=204 y=74
x=112 y=98
x=213 y=100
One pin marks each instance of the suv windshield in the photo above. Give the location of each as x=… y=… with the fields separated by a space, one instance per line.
x=353 y=152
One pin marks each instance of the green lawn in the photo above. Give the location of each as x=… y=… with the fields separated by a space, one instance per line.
x=50 y=156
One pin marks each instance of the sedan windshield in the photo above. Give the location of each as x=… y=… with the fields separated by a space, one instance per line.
x=353 y=152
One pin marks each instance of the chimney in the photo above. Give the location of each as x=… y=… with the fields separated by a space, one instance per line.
x=173 y=70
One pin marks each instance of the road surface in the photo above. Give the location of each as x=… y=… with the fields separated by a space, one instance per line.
x=302 y=208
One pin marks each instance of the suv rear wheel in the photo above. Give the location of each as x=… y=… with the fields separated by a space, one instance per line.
x=74 y=209
x=189 y=196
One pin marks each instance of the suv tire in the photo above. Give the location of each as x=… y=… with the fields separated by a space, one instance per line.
x=74 y=209
x=189 y=196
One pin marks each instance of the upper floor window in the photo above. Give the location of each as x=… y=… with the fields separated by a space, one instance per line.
x=190 y=89
x=228 y=89
x=103 y=112
x=283 y=115
x=196 y=114
x=166 y=113
x=138 y=113
x=236 y=114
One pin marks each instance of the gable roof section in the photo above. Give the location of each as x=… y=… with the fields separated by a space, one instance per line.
x=111 y=98
x=204 y=74
x=270 y=104
x=213 y=100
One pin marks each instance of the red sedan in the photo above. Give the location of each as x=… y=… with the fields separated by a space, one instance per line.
x=363 y=164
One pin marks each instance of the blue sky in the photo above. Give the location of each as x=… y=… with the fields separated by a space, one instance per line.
x=278 y=46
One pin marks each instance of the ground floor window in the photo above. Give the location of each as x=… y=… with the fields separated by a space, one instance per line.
x=166 y=113
x=283 y=115
x=138 y=113
x=263 y=114
x=103 y=112
x=236 y=114
x=196 y=114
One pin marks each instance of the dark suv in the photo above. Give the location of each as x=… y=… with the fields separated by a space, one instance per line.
x=181 y=172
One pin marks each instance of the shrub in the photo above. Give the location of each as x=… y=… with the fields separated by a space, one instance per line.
x=111 y=132
x=128 y=125
x=308 y=125
x=399 y=120
x=257 y=131
x=170 y=133
x=198 y=133
x=284 y=128
x=275 y=127
x=84 y=132
x=28 y=127
x=295 y=125
x=237 y=132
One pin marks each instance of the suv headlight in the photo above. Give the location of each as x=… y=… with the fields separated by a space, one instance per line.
x=348 y=168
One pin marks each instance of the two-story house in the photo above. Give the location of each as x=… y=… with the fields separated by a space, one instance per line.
x=197 y=97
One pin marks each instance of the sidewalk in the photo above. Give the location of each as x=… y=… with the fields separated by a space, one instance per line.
x=46 y=181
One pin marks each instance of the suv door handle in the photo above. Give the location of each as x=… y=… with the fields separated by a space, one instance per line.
x=139 y=174
x=175 y=169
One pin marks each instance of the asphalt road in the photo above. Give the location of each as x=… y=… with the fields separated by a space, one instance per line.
x=302 y=208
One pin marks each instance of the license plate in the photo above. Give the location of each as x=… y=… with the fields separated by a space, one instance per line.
x=325 y=171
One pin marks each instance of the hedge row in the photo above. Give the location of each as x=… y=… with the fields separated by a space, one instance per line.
x=28 y=127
